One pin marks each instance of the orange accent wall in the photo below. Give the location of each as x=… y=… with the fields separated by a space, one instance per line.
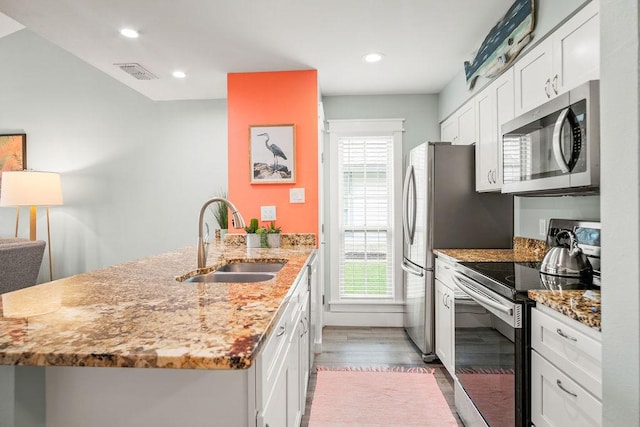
x=270 y=98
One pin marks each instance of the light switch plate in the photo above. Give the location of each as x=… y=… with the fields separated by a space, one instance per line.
x=267 y=213
x=296 y=195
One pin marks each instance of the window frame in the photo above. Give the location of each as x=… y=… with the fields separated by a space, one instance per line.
x=366 y=128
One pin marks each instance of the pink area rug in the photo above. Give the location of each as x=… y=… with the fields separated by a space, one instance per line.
x=378 y=397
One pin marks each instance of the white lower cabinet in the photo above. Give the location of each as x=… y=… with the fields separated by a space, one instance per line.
x=294 y=411
x=283 y=364
x=566 y=371
x=305 y=346
x=444 y=314
x=274 y=412
x=557 y=400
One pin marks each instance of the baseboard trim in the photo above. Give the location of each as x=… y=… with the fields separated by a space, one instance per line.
x=392 y=320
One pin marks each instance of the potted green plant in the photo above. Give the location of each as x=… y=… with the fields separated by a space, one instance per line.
x=273 y=235
x=221 y=214
x=253 y=238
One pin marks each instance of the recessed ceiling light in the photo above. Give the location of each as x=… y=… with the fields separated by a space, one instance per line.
x=129 y=33
x=373 y=57
x=179 y=74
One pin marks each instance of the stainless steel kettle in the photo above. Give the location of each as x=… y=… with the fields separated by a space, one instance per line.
x=567 y=261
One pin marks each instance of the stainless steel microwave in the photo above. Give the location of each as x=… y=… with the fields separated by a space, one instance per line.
x=555 y=148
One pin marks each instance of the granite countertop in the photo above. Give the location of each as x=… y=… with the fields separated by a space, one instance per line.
x=524 y=249
x=583 y=306
x=137 y=314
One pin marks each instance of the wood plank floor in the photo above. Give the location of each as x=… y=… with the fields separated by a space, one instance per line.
x=366 y=347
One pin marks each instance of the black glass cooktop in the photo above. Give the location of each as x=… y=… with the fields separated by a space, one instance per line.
x=514 y=279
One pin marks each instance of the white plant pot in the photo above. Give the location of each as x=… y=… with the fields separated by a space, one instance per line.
x=274 y=240
x=253 y=240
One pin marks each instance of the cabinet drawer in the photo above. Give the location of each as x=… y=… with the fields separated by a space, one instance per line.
x=569 y=348
x=557 y=400
x=444 y=273
x=272 y=354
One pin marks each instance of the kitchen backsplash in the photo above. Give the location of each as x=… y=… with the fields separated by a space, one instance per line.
x=287 y=240
x=526 y=248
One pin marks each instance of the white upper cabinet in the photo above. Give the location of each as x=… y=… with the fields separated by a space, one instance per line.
x=487 y=146
x=576 y=52
x=467 y=124
x=568 y=57
x=494 y=107
x=460 y=127
x=449 y=130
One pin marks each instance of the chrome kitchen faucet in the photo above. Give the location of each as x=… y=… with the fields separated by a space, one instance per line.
x=238 y=222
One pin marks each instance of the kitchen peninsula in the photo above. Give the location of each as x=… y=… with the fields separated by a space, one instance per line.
x=94 y=336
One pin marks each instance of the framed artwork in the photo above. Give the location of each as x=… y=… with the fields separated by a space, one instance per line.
x=13 y=153
x=272 y=154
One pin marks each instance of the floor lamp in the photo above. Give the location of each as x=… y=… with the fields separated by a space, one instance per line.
x=33 y=189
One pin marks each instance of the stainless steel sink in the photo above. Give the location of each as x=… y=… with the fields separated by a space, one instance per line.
x=232 y=277
x=252 y=267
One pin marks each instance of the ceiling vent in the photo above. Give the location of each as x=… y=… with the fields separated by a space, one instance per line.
x=137 y=71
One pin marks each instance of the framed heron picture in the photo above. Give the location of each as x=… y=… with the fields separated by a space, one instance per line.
x=272 y=154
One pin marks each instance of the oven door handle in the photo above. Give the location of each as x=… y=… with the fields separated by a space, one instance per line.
x=468 y=289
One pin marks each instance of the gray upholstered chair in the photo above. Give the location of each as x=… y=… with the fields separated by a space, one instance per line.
x=20 y=261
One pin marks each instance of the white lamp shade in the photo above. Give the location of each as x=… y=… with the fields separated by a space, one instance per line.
x=30 y=188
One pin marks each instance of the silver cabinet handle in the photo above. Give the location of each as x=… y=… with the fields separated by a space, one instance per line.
x=303 y=329
x=563 y=335
x=489 y=176
x=559 y=383
x=554 y=84
x=494 y=175
x=281 y=331
x=546 y=88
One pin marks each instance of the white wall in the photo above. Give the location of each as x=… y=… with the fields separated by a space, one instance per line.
x=530 y=210
x=419 y=111
x=134 y=172
x=620 y=132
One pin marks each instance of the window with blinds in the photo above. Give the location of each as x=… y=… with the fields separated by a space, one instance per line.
x=365 y=194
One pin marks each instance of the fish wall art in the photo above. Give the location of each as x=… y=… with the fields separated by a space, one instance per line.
x=503 y=43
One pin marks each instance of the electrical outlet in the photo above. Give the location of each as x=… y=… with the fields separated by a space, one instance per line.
x=542 y=227
x=268 y=213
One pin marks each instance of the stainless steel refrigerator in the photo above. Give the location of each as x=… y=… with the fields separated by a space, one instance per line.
x=441 y=210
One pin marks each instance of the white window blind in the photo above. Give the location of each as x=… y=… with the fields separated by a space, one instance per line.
x=365 y=193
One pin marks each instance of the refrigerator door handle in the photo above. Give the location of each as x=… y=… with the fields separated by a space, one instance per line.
x=409 y=222
x=411 y=270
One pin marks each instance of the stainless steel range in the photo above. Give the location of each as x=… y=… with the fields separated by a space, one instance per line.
x=492 y=339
